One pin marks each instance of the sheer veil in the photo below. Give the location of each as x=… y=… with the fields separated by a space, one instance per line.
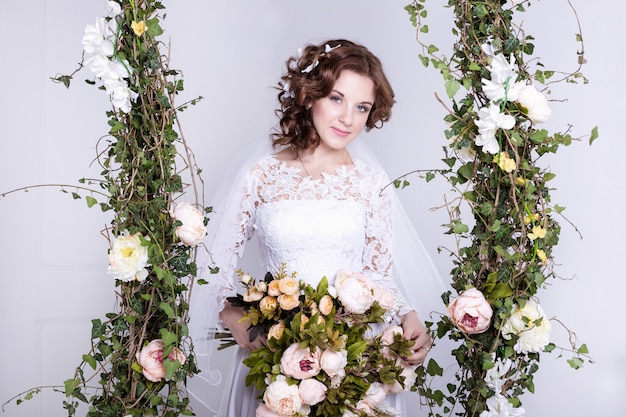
x=416 y=274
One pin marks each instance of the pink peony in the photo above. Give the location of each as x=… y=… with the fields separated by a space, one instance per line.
x=470 y=312
x=300 y=363
x=192 y=231
x=354 y=291
x=263 y=411
x=282 y=398
x=151 y=360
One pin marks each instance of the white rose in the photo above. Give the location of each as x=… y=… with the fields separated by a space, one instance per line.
x=530 y=325
x=535 y=104
x=128 y=258
x=282 y=398
x=121 y=95
x=333 y=362
x=312 y=391
x=354 y=291
x=192 y=231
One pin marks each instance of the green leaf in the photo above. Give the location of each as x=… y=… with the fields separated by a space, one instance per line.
x=154 y=29
x=583 y=350
x=70 y=386
x=168 y=338
x=433 y=368
x=459 y=228
x=594 y=135
x=167 y=309
x=452 y=87
x=575 y=363
x=501 y=290
x=90 y=360
x=91 y=201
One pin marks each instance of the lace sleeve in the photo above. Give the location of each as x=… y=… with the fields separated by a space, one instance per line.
x=377 y=256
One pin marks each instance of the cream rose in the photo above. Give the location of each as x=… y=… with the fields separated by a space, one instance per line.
x=326 y=305
x=276 y=331
x=128 y=258
x=282 y=398
x=252 y=294
x=470 y=312
x=268 y=305
x=300 y=363
x=288 y=286
x=192 y=231
x=334 y=362
x=535 y=104
x=151 y=360
x=354 y=291
x=312 y=391
x=272 y=288
x=288 y=301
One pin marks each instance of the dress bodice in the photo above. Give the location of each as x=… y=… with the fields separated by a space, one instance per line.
x=314 y=238
x=315 y=226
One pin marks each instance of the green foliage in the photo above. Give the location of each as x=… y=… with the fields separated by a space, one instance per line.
x=505 y=249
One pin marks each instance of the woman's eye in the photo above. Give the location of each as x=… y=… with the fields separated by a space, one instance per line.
x=362 y=108
x=335 y=99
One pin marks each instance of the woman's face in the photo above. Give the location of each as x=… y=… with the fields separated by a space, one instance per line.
x=341 y=116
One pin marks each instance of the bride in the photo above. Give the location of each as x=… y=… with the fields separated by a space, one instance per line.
x=314 y=203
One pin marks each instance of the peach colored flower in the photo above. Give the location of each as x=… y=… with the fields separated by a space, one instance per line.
x=253 y=294
x=326 y=305
x=288 y=301
x=151 y=360
x=385 y=298
x=272 y=288
x=470 y=312
x=263 y=411
x=268 y=305
x=288 y=286
x=300 y=363
x=276 y=331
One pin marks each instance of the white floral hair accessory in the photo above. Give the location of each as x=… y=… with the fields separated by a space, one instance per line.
x=327 y=49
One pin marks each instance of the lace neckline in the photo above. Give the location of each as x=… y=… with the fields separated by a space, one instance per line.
x=298 y=172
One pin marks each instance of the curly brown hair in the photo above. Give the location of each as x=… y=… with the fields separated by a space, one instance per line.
x=312 y=75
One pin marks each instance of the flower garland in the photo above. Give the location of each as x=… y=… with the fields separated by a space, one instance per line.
x=141 y=354
x=492 y=158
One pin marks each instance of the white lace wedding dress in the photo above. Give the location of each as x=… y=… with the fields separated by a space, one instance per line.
x=315 y=227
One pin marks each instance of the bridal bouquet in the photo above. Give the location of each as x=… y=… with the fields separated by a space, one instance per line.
x=321 y=356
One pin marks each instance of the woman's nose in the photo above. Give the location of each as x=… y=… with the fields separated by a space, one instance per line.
x=345 y=116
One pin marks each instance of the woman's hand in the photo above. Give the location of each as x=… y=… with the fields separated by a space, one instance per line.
x=231 y=317
x=414 y=329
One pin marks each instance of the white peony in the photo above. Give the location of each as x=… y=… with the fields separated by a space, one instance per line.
x=333 y=362
x=312 y=391
x=530 y=325
x=128 y=258
x=192 y=231
x=499 y=406
x=489 y=120
x=535 y=104
x=283 y=398
x=354 y=291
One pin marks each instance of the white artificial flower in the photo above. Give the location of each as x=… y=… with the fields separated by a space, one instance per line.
x=535 y=104
x=108 y=69
x=128 y=258
x=489 y=120
x=354 y=291
x=499 y=406
x=121 y=95
x=503 y=84
x=282 y=398
x=192 y=231
x=113 y=8
x=334 y=362
x=530 y=325
x=496 y=376
x=99 y=38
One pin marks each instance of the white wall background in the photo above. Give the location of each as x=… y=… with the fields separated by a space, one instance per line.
x=53 y=259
